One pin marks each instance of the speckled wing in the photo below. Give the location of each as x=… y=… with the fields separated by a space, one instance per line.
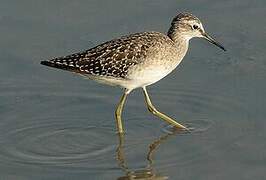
x=112 y=58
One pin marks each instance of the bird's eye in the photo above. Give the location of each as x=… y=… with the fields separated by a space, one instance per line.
x=195 y=26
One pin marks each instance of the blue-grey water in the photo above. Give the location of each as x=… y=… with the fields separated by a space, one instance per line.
x=55 y=125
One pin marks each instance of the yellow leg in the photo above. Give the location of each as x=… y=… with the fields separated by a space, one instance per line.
x=119 y=110
x=154 y=111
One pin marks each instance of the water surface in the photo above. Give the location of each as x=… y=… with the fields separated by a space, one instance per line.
x=56 y=125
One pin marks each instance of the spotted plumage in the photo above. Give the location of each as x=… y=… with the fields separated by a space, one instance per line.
x=110 y=59
x=137 y=60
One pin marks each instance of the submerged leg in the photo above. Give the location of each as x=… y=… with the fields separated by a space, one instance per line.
x=154 y=111
x=119 y=110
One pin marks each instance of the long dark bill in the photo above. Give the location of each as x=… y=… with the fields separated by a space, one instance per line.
x=211 y=40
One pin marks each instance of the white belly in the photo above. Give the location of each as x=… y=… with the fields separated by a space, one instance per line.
x=140 y=76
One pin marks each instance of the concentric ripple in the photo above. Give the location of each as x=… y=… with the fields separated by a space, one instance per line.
x=58 y=144
x=82 y=143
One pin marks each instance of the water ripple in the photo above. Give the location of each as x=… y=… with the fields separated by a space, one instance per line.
x=58 y=144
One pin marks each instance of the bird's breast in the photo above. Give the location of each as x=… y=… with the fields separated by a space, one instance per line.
x=158 y=63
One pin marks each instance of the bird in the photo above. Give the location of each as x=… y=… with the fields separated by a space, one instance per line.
x=137 y=60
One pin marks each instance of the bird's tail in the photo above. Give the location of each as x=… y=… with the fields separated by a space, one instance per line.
x=59 y=64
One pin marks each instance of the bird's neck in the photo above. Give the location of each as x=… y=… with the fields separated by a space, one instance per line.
x=177 y=35
x=181 y=42
x=178 y=38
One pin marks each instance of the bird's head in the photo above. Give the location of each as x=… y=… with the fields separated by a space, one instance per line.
x=187 y=26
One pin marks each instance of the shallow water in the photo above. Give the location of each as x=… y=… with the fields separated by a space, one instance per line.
x=56 y=125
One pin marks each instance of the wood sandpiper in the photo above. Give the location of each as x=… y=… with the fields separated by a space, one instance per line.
x=137 y=60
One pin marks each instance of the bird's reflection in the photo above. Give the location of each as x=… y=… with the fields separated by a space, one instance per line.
x=147 y=173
